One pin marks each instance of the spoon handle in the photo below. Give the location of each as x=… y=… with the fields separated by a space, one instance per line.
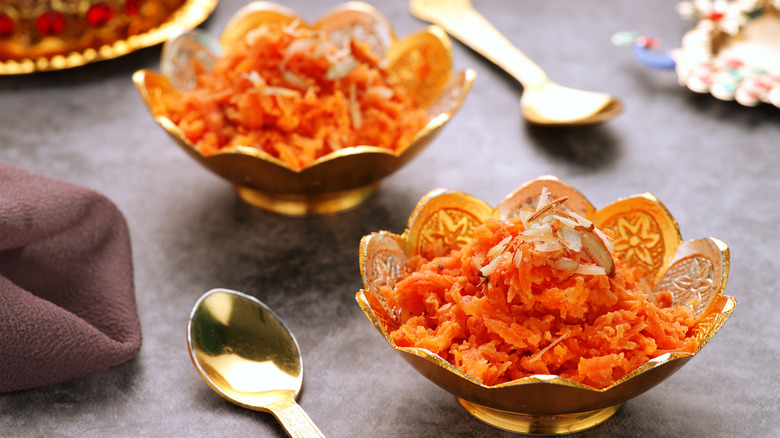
x=463 y=22
x=294 y=419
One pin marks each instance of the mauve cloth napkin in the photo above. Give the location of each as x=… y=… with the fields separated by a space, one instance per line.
x=67 y=298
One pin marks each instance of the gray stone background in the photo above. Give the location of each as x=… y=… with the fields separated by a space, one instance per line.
x=713 y=164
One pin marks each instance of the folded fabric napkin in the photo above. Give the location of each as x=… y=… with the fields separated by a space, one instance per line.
x=67 y=298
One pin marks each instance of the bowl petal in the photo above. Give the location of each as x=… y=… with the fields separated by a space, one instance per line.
x=644 y=232
x=382 y=262
x=253 y=16
x=444 y=216
x=429 y=51
x=372 y=27
x=697 y=274
x=527 y=195
x=186 y=51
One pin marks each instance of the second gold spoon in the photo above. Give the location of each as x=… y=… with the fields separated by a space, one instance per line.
x=543 y=102
x=247 y=355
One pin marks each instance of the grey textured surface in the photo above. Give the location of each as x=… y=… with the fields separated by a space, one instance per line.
x=713 y=164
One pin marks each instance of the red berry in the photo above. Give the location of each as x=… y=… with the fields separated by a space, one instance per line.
x=99 y=14
x=133 y=7
x=50 y=23
x=6 y=25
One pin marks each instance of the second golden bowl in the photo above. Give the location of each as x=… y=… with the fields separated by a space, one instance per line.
x=339 y=180
x=645 y=234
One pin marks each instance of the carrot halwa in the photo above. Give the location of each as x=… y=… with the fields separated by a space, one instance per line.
x=297 y=94
x=529 y=297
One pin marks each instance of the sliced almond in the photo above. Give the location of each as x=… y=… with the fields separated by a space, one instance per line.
x=548 y=246
x=565 y=264
x=499 y=247
x=546 y=208
x=571 y=237
x=354 y=108
x=581 y=220
x=597 y=250
x=573 y=231
x=590 y=270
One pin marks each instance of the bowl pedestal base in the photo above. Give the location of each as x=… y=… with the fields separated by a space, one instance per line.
x=307 y=205
x=539 y=425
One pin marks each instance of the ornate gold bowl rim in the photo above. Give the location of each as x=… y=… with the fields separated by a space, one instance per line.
x=342 y=179
x=189 y=15
x=548 y=404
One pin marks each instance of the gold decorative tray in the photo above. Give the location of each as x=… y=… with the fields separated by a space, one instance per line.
x=61 y=34
x=732 y=53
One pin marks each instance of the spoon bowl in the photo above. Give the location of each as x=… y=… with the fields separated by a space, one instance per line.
x=543 y=102
x=247 y=355
x=553 y=104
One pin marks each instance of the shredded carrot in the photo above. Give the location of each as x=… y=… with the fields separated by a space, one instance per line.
x=499 y=309
x=297 y=95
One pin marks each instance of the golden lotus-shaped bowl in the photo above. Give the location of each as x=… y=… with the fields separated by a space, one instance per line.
x=645 y=234
x=339 y=180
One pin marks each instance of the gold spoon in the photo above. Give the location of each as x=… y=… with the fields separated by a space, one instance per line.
x=543 y=102
x=248 y=356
